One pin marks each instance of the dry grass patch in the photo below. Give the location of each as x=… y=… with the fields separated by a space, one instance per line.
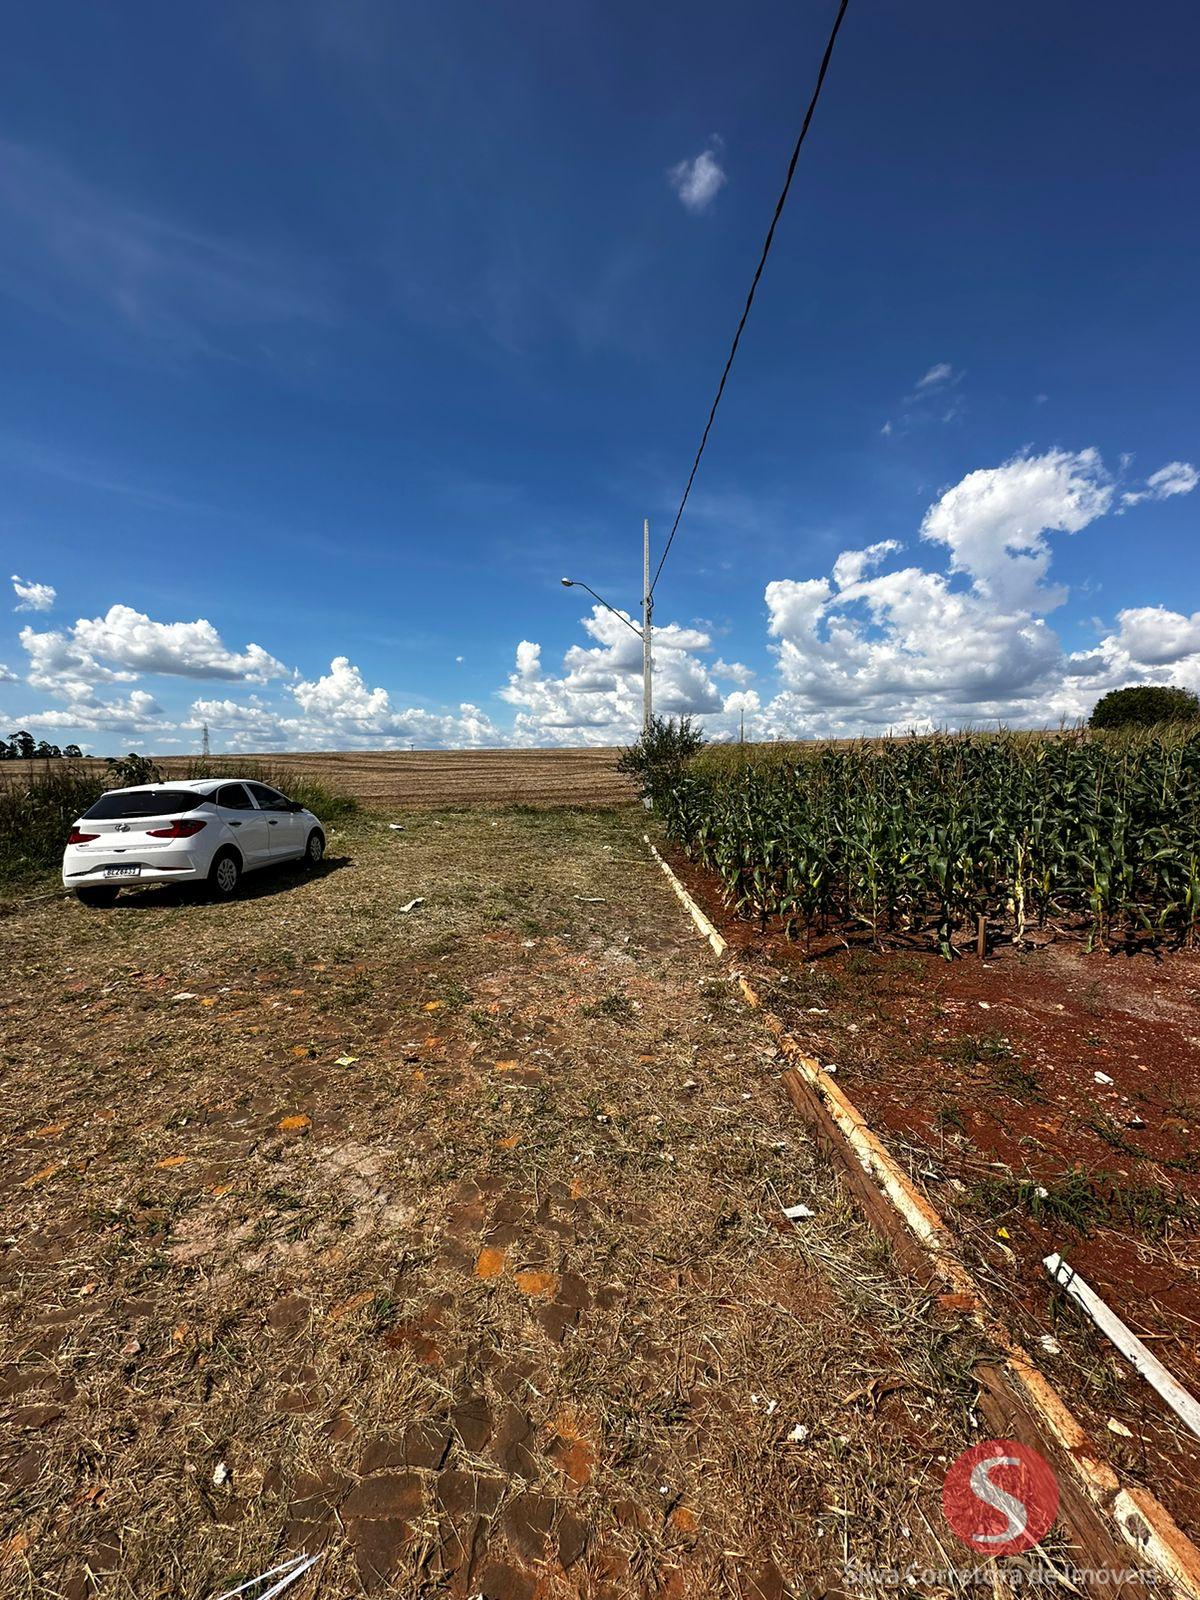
x=448 y=1243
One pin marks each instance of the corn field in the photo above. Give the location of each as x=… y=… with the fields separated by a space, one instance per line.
x=926 y=836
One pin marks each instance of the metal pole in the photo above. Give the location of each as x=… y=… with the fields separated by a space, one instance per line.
x=647 y=613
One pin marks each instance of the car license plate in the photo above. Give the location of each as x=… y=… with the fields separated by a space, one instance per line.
x=121 y=872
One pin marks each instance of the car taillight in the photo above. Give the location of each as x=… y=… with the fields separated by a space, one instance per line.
x=81 y=838
x=181 y=828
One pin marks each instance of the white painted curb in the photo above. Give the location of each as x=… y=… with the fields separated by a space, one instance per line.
x=693 y=910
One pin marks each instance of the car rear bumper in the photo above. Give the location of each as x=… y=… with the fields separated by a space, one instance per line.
x=87 y=871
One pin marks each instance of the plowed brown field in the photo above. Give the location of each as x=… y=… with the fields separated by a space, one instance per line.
x=425 y=777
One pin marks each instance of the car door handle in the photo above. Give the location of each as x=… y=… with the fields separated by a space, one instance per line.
x=274 y=821
x=235 y=824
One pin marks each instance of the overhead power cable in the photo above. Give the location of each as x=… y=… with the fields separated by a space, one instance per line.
x=762 y=261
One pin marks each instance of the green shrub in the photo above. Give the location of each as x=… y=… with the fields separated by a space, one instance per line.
x=661 y=753
x=130 y=772
x=1144 y=706
x=331 y=805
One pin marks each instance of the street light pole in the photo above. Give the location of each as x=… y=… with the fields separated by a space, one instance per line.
x=645 y=632
x=647 y=624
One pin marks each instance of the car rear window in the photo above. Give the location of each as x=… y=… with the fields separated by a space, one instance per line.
x=144 y=803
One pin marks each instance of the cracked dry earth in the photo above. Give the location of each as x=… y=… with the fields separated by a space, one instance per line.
x=447 y=1243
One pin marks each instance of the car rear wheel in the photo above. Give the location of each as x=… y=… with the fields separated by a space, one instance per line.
x=224 y=876
x=97 y=898
x=314 y=850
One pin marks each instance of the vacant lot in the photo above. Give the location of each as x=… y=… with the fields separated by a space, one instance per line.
x=445 y=1240
x=423 y=777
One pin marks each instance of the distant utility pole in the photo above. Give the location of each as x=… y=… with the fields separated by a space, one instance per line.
x=647 y=615
x=205 y=750
x=645 y=632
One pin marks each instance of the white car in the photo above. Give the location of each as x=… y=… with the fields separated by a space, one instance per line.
x=211 y=830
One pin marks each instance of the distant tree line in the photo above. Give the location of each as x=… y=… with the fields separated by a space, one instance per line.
x=24 y=747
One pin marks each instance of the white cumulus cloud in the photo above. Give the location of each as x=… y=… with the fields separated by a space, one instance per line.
x=124 y=643
x=1177 y=477
x=995 y=520
x=1158 y=637
x=138 y=713
x=597 y=698
x=1151 y=644
x=341 y=707
x=32 y=596
x=697 y=182
x=342 y=694
x=340 y=711
x=529 y=659
x=867 y=649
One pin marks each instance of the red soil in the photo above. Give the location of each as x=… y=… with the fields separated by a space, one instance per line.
x=1077 y=1073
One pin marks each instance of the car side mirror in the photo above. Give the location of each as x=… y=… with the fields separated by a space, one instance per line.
x=294 y=805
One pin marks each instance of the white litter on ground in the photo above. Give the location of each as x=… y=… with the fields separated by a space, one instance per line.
x=292 y=1569
x=1143 y=1361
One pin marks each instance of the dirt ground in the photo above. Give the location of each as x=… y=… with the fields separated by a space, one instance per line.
x=445 y=1241
x=432 y=778
x=1048 y=1100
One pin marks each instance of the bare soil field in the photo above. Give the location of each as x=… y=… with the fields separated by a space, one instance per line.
x=422 y=778
x=1048 y=1100
x=443 y=1239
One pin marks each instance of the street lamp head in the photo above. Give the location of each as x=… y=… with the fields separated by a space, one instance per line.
x=568 y=583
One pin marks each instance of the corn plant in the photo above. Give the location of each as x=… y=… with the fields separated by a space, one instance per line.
x=924 y=836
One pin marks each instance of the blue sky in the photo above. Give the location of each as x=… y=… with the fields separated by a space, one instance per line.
x=341 y=332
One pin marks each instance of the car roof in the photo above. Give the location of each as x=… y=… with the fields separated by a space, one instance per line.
x=196 y=785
